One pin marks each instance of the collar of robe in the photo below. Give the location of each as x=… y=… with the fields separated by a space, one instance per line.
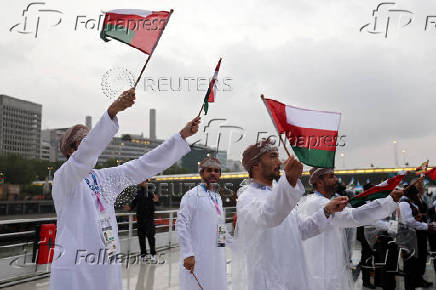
x=261 y=186
x=316 y=192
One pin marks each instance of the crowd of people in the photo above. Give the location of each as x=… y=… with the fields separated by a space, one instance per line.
x=408 y=235
x=283 y=238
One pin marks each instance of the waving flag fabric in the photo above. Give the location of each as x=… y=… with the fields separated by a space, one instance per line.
x=211 y=91
x=378 y=191
x=312 y=134
x=140 y=29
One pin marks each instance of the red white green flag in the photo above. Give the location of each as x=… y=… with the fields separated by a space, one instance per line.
x=378 y=191
x=140 y=29
x=312 y=134
x=421 y=168
x=431 y=173
x=211 y=91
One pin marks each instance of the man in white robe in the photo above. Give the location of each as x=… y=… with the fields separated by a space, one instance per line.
x=267 y=248
x=198 y=220
x=327 y=254
x=83 y=196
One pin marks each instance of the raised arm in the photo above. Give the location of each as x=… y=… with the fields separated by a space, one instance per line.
x=114 y=180
x=316 y=214
x=367 y=214
x=408 y=219
x=313 y=225
x=83 y=160
x=272 y=210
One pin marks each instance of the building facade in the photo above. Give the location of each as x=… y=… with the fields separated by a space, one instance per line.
x=20 y=127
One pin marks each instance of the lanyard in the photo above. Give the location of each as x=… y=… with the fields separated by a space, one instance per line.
x=96 y=189
x=213 y=199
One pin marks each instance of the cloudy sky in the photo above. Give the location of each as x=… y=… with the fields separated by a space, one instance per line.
x=305 y=53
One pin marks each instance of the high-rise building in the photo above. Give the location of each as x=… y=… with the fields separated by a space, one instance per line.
x=152 y=124
x=51 y=137
x=20 y=127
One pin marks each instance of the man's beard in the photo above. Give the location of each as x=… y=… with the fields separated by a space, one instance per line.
x=331 y=189
x=210 y=180
x=271 y=174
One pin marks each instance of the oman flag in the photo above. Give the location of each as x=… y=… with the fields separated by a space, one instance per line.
x=211 y=91
x=431 y=173
x=312 y=134
x=140 y=29
x=378 y=191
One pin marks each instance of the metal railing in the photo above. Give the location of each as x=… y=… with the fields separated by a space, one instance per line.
x=22 y=207
x=164 y=223
x=159 y=222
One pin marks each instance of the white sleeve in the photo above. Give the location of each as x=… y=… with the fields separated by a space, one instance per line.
x=83 y=160
x=382 y=225
x=115 y=179
x=183 y=224
x=408 y=219
x=272 y=210
x=366 y=214
x=312 y=225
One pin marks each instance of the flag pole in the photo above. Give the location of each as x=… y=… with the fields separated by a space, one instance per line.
x=280 y=136
x=198 y=282
x=284 y=145
x=149 y=56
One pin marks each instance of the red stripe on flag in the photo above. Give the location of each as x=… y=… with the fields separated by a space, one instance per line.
x=211 y=90
x=211 y=96
x=141 y=22
x=310 y=138
x=392 y=183
x=431 y=173
x=277 y=111
x=147 y=29
x=217 y=68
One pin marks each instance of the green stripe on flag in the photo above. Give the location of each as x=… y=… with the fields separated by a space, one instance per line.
x=314 y=157
x=206 y=101
x=361 y=200
x=118 y=32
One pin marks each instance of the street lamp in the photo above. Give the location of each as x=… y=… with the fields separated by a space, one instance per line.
x=343 y=160
x=50 y=168
x=395 y=142
x=403 y=152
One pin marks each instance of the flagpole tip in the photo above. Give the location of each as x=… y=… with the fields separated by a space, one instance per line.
x=262 y=96
x=171 y=10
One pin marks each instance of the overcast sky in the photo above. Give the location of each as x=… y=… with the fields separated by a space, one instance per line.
x=305 y=53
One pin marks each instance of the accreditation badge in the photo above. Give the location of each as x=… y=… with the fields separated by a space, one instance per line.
x=107 y=234
x=221 y=235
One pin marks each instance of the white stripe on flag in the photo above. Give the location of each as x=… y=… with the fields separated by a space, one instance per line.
x=139 y=12
x=313 y=119
x=384 y=183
